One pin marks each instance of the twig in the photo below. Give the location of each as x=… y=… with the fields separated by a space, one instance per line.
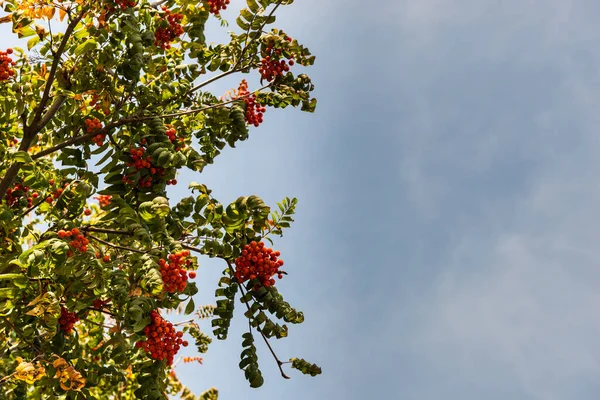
x=246 y=47
x=23 y=338
x=103 y=311
x=55 y=63
x=33 y=207
x=279 y=363
x=183 y=322
x=187 y=112
x=104 y=230
x=116 y=246
x=98 y=324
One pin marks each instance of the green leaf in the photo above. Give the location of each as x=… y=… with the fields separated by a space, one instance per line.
x=190 y=307
x=86 y=46
x=253 y=6
x=242 y=24
x=22 y=157
x=32 y=42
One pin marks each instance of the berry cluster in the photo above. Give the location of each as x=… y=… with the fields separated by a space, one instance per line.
x=6 y=63
x=78 y=242
x=174 y=275
x=217 y=5
x=95 y=103
x=92 y=125
x=272 y=65
x=254 y=111
x=103 y=199
x=162 y=340
x=192 y=359
x=168 y=31
x=67 y=320
x=140 y=160
x=177 y=141
x=105 y=258
x=258 y=261
x=55 y=194
x=16 y=196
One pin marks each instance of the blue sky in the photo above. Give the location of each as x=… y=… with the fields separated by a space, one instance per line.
x=445 y=245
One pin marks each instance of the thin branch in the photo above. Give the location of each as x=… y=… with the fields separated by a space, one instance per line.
x=116 y=246
x=54 y=68
x=279 y=363
x=192 y=248
x=33 y=207
x=98 y=324
x=246 y=47
x=23 y=338
x=198 y=110
x=183 y=322
x=104 y=230
x=211 y=80
x=82 y=138
x=56 y=105
x=103 y=311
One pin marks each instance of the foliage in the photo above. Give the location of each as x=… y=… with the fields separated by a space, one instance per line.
x=108 y=102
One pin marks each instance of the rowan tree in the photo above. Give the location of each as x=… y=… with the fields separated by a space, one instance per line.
x=102 y=107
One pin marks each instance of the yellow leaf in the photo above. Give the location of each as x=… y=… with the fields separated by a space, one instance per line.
x=61 y=14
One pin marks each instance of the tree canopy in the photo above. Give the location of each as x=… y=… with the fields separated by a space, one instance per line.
x=102 y=107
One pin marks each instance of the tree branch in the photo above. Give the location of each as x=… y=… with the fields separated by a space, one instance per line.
x=82 y=138
x=56 y=105
x=54 y=68
x=30 y=133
